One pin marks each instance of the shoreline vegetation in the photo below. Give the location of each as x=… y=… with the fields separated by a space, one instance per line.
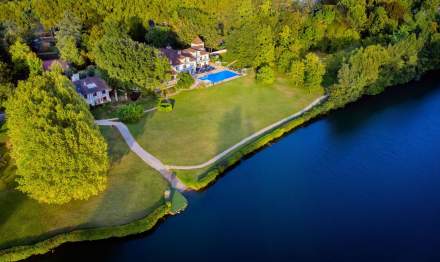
x=99 y=233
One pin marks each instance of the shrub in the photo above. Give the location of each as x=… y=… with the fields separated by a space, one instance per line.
x=185 y=81
x=266 y=74
x=166 y=105
x=91 y=70
x=82 y=74
x=130 y=113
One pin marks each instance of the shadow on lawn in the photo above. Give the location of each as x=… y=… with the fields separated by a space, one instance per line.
x=234 y=123
x=137 y=129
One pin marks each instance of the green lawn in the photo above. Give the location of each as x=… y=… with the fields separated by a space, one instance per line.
x=205 y=122
x=134 y=191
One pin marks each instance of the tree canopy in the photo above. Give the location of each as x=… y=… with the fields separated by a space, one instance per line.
x=133 y=62
x=59 y=152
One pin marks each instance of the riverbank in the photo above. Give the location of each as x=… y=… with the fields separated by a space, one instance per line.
x=22 y=252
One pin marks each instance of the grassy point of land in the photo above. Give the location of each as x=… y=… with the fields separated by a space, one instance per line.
x=134 y=191
x=206 y=122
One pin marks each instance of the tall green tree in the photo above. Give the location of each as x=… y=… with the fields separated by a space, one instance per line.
x=130 y=61
x=68 y=39
x=25 y=61
x=361 y=71
x=296 y=74
x=314 y=71
x=6 y=87
x=59 y=152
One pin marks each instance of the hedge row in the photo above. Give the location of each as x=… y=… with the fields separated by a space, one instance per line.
x=139 y=226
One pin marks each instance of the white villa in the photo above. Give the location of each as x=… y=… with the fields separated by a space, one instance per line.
x=93 y=89
x=188 y=60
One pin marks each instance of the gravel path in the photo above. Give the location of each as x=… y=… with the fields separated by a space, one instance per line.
x=144 y=155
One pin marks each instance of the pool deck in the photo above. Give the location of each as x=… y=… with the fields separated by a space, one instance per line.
x=216 y=70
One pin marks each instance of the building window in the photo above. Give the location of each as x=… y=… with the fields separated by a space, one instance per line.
x=94 y=94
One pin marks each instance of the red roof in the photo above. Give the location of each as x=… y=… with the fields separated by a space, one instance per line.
x=175 y=56
x=197 y=41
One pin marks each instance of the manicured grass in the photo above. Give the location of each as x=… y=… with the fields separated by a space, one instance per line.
x=205 y=122
x=201 y=178
x=134 y=191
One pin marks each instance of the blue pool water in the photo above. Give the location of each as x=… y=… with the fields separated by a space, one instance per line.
x=219 y=76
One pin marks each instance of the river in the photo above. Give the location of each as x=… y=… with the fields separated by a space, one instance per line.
x=361 y=184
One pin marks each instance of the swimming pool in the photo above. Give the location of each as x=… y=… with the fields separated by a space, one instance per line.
x=219 y=76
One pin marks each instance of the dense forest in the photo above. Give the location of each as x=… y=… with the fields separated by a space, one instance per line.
x=351 y=47
x=363 y=45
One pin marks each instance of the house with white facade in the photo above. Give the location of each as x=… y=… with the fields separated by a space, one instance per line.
x=93 y=89
x=188 y=60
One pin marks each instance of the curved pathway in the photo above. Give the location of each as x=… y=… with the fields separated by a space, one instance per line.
x=144 y=155
x=165 y=169
x=250 y=138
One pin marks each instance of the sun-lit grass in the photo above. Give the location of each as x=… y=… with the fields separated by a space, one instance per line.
x=134 y=191
x=207 y=121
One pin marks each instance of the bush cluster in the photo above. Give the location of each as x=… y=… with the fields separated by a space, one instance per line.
x=185 y=81
x=130 y=113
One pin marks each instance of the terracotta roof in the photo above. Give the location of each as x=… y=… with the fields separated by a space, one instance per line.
x=90 y=85
x=175 y=57
x=192 y=50
x=197 y=41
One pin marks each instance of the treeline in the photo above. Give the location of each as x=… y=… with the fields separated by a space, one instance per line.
x=268 y=35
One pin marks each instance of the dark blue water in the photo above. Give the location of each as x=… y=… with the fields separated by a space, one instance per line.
x=361 y=184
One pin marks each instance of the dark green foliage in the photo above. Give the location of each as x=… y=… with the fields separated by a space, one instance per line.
x=185 y=81
x=68 y=38
x=26 y=63
x=136 y=29
x=6 y=87
x=160 y=36
x=362 y=70
x=130 y=61
x=130 y=113
x=265 y=74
